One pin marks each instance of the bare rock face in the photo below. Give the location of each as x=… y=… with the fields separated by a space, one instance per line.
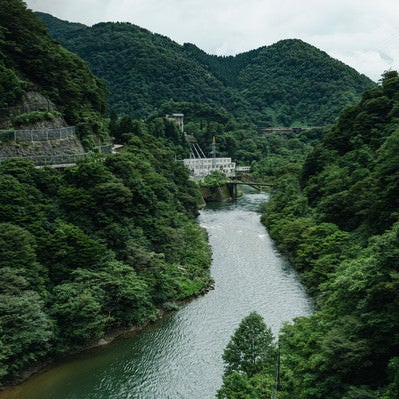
x=37 y=143
x=37 y=149
x=32 y=101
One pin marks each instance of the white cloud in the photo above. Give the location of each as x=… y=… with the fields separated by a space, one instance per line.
x=361 y=33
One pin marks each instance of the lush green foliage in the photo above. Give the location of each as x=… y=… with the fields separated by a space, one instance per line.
x=31 y=60
x=11 y=88
x=35 y=116
x=288 y=83
x=250 y=361
x=337 y=220
x=215 y=179
x=265 y=153
x=101 y=245
x=166 y=130
x=107 y=243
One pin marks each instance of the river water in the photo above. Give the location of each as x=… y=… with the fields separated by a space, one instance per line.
x=180 y=356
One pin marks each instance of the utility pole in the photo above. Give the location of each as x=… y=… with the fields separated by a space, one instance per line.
x=213 y=152
x=277 y=386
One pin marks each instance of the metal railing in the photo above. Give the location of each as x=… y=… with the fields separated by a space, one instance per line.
x=51 y=159
x=37 y=134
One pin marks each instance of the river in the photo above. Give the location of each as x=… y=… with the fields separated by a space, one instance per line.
x=180 y=356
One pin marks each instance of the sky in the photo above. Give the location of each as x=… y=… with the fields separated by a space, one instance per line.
x=361 y=33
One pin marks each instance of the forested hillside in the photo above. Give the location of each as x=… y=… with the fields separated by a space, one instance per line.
x=30 y=60
x=241 y=141
x=110 y=242
x=99 y=246
x=104 y=245
x=288 y=83
x=337 y=220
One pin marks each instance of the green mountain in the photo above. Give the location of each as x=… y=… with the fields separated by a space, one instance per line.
x=290 y=82
x=31 y=61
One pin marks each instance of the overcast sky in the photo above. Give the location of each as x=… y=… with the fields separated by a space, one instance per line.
x=362 y=33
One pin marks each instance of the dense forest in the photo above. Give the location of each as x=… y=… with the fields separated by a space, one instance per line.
x=104 y=245
x=110 y=243
x=287 y=83
x=30 y=59
x=336 y=218
x=243 y=142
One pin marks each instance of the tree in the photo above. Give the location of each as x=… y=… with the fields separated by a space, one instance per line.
x=393 y=387
x=236 y=386
x=251 y=348
x=26 y=331
x=126 y=300
x=10 y=87
x=78 y=311
x=70 y=248
x=18 y=261
x=249 y=361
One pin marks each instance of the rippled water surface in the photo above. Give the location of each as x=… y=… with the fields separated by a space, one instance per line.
x=181 y=355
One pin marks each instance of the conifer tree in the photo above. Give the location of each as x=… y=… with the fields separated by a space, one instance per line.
x=251 y=348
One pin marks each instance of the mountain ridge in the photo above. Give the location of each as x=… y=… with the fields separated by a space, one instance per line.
x=289 y=82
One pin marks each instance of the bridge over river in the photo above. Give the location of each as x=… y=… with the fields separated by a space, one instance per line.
x=232 y=186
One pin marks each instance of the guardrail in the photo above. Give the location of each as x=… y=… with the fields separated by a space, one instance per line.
x=43 y=160
x=37 y=134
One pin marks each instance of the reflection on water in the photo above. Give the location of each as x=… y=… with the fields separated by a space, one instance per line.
x=181 y=355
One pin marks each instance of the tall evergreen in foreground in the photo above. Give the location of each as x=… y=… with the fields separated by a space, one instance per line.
x=250 y=361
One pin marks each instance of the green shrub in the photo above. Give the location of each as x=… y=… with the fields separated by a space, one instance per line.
x=35 y=116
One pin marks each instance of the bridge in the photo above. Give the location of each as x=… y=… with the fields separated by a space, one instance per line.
x=37 y=134
x=265 y=131
x=254 y=184
x=232 y=186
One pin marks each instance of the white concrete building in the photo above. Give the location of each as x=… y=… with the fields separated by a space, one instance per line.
x=201 y=167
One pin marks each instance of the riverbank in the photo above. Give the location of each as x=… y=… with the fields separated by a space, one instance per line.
x=215 y=193
x=50 y=362
x=180 y=354
x=107 y=339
